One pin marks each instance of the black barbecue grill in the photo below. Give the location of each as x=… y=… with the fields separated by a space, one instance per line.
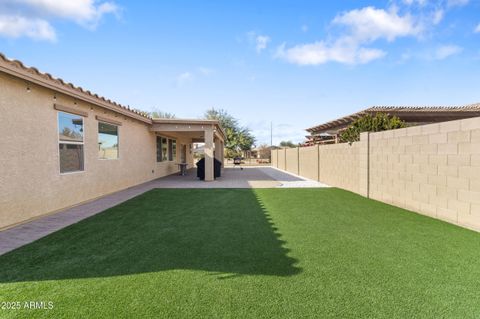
x=217 y=168
x=237 y=161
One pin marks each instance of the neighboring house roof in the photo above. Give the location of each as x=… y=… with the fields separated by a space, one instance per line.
x=272 y=147
x=410 y=114
x=64 y=137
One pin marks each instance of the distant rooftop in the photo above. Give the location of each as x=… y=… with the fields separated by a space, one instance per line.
x=410 y=114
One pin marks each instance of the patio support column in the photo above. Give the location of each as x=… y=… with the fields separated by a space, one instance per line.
x=209 y=154
x=218 y=149
x=222 y=147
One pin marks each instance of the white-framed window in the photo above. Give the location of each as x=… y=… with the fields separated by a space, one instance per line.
x=172 y=150
x=71 y=142
x=107 y=141
x=166 y=149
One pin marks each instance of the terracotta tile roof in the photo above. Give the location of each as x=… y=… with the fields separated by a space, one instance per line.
x=33 y=75
x=467 y=110
x=475 y=107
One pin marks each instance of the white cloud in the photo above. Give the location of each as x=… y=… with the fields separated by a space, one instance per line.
x=370 y=24
x=307 y=54
x=17 y=26
x=437 y=16
x=365 y=55
x=190 y=76
x=33 y=18
x=477 y=28
x=184 y=78
x=80 y=11
x=205 y=71
x=261 y=42
x=446 y=51
x=258 y=40
x=417 y=2
x=448 y=3
x=320 y=53
x=357 y=31
x=405 y=56
x=362 y=27
x=457 y=3
x=430 y=12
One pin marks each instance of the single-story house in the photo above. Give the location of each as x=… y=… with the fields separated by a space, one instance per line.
x=61 y=145
x=329 y=132
x=263 y=152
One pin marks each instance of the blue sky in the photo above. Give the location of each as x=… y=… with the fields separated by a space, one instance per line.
x=293 y=63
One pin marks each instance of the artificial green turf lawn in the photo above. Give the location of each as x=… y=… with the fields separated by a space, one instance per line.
x=241 y=253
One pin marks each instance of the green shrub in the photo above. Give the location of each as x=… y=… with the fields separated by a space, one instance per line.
x=369 y=123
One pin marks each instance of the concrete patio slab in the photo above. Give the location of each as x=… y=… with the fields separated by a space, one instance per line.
x=248 y=177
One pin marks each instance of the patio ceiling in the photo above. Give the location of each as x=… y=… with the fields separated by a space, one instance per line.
x=188 y=128
x=195 y=136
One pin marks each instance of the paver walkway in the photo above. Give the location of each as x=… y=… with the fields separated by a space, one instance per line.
x=249 y=177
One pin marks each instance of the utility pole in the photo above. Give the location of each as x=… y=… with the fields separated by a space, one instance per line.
x=271 y=135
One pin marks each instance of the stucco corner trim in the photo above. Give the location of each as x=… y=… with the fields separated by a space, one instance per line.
x=69 y=110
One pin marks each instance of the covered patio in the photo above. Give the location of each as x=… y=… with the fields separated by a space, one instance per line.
x=195 y=131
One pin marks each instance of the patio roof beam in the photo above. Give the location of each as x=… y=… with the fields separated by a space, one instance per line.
x=188 y=127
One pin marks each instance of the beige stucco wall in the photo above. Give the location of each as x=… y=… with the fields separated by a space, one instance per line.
x=30 y=182
x=431 y=169
x=308 y=162
x=281 y=159
x=291 y=160
x=274 y=158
